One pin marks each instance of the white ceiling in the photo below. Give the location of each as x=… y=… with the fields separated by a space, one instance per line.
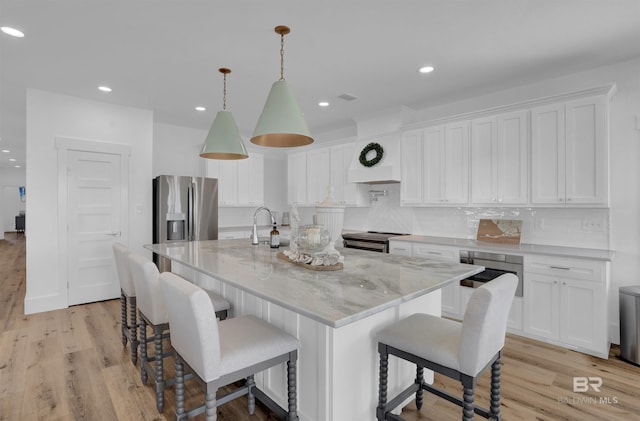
x=164 y=55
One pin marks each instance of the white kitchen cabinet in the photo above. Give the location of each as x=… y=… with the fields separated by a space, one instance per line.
x=499 y=156
x=240 y=182
x=318 y=175
x=297 y=178
x=400 y=248
x=435 y=165
x=565 y=302
x=344 y=193
x=569 y=145
x=411 y=153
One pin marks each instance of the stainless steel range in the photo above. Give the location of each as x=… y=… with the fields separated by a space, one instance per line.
x=370 y=240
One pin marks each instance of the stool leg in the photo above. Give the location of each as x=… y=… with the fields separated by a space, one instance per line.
x=467 y=405
x=495 y=389
x=210 y=406
x=143 y=350
x=419 y=381
x=133 y=327
x=157 y=333
x=123 y=316
x=382 y=391
x=179 y=386
x=251 y=398
x=291 y=386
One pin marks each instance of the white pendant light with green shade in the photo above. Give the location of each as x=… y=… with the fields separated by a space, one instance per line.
x=223 y=140
x=281 y=123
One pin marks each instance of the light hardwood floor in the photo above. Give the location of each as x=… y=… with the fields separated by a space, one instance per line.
x=70 y=365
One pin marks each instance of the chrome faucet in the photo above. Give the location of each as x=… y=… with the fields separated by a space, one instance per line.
x=254 y=233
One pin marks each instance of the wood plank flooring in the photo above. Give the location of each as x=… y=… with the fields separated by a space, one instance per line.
x=70 y=365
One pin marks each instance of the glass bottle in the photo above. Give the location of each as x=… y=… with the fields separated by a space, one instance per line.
x=274 y=238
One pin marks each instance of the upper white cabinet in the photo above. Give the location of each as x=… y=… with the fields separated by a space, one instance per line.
x=570 y=152
x=499 y=156
x=297 y=178
x=435 y=165
x=240 y=182
x=311 y=173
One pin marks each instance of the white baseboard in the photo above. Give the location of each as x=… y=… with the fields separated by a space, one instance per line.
x=44 y=303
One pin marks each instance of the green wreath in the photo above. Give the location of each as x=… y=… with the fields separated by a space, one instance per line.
x=373 y=161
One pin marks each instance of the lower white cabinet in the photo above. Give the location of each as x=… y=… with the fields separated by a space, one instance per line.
x=566 y=303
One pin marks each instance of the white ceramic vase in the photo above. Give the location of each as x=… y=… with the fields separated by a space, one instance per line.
x=332 y=218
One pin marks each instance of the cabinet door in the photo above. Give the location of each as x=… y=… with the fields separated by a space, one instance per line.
x=456 y=174
x=338 y=173
x=433 y=165
x=541 y=306
x=512 y=157
x=297 y=178
x=318 y=175
x=484 y=141
x=411 y=152
x=251 y=181
x=548 y=154
x=450 y=293
x=583 y=314
x=228 y=183
x=586 y=151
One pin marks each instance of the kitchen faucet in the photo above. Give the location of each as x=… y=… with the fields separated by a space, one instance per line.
x=254 y=233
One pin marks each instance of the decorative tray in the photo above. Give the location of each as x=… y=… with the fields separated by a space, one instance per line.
x=337 y=266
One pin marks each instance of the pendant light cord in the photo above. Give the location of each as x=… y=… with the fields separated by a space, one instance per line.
x=282 y=56
x=224 y=93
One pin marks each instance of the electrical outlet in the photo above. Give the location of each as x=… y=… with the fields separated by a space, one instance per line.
x=538 y=223
x=592 y=225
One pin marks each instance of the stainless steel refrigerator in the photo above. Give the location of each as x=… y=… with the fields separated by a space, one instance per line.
x=184 y=209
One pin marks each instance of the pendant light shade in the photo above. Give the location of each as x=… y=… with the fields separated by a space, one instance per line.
x=223 y=140
x=281 y=123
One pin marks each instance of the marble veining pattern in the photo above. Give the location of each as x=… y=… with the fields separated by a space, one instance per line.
x=370 y=282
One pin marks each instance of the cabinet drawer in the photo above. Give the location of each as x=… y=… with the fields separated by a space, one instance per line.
x=434 y=252
x=566 y=268
x=400 y=248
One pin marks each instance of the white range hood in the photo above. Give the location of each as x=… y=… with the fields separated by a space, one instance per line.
x=388 y=170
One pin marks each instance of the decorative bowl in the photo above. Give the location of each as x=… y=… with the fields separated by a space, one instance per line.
x=313 y=238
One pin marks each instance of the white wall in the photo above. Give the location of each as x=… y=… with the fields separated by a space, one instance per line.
x=50 y=115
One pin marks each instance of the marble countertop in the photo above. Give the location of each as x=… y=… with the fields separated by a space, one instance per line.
x=369 y=282
x=575 y=252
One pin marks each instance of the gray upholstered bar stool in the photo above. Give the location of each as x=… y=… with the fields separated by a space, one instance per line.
x=221 y=353
x=129 y=328
x=153 y=313
x=461 y=351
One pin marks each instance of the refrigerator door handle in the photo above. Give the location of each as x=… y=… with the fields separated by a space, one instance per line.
x=190 y=204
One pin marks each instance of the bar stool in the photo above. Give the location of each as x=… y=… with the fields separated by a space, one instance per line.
x=153 y=312
x=127 y=293
x=461 y=351
x=221 y=353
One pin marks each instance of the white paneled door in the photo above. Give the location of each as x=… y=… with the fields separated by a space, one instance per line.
x=94 y=223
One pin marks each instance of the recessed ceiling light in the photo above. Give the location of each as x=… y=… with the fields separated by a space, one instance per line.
x=12 y=31
x=104 y=88
x=12 y=159
x=6 y=150
x=17 y=166
x=426 y=69
x=323 y=104
x=201 y=109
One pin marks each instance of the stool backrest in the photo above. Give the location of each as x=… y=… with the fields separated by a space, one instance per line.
x=149 y=298
x=193 y=324
x=120 y=253
x=485 y=323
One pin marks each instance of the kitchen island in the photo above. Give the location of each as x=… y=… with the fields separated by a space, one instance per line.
x=334 y=314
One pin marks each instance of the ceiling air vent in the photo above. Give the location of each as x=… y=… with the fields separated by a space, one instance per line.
x=347 y=97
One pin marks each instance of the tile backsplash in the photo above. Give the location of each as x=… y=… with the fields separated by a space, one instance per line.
x=574 y=227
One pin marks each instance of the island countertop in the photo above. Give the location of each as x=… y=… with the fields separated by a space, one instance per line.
x=368 y=283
